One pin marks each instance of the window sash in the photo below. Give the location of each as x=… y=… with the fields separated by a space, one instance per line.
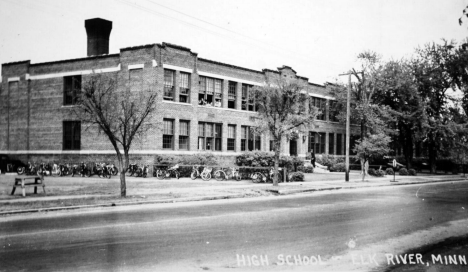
x=209 y=86
x=231 y=144
x=231 y=131
x=168 y=127
x=184 y=80
x=184 y=128
x=168 y=78
x=201 y=129
x=232 y=91
x=183 y=142
x=168 y=141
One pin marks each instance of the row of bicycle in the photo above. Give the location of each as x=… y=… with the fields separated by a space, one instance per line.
x=221 y=173
x=82 y=169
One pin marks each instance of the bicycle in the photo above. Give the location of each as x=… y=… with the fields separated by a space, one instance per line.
x=221 y=174
x=260 y=177
x=142 y=171
x=81 y=169
x=65 y=169
x=166 y=173
x=272 y=174
x=55 y=171
x=132 y=168
x=195 y=173
x=29 y=170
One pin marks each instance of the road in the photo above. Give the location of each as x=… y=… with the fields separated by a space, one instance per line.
x=226 y=235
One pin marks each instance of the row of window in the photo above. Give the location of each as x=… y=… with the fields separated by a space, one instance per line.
x=210 y=93
x=210 y=138
x=317 y=143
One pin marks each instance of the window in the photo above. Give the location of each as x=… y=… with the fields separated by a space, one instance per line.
x=184 y=88
x=333 y=112
x=71 y=135
x=317 y=142
x=210 y=92
x=209 y=136
x=320 y=104
x=331 y=143
x=168 y=134
x=71 y=89
x=272 y=142
x=184 y=135
x=339 y=144
x=232 y=91
x=248 y=98
x=169 y=77
x=249 y=140
x=231 y=139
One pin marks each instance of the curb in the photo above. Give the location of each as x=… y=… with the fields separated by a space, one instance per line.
x=170 y=200
x=295 y=191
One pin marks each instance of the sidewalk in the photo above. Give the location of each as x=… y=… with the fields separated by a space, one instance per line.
x=74 y=193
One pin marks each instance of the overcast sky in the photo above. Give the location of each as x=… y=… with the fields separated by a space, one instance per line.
x=319 y=39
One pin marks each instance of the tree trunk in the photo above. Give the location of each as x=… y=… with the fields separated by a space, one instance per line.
x=406 y=137
x=432 y=157
x=122 y=169
x=277 y=157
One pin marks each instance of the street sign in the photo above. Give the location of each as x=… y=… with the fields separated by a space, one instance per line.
x=394 y=163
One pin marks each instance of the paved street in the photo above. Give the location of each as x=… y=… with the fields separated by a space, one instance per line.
x=200 y=236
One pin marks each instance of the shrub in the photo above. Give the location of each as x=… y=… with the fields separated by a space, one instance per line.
x=308 y=169
x=296 y=176
x=265 y=159
x=389 y=171
x=412 y=172
x=195 y=159
x=329 y=160
x=403 y=172
x=339 y=167
x=376 y=173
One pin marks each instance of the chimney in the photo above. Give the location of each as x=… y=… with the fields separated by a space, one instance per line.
x=98 y=31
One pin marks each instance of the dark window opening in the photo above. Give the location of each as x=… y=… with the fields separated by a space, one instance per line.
x=71 y=135
x=71 y=90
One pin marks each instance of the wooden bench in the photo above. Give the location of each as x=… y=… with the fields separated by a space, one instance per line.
x=22 y=181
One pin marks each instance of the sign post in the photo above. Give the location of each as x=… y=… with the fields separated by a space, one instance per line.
x=394 y=166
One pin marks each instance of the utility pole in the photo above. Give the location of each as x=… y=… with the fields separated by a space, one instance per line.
x=348 y=113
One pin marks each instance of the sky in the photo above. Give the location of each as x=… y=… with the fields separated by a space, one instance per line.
x=319 y=39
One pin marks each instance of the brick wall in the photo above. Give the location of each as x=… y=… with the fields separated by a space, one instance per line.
x=32 y=111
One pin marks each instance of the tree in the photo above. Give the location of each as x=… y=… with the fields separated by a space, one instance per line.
x=120 y=111
x=283 y=111
x=432 y=71
x=374 y=145
x=365 y=110
x=399 y=92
